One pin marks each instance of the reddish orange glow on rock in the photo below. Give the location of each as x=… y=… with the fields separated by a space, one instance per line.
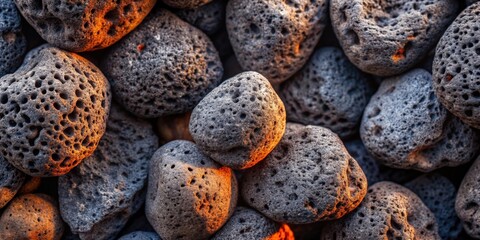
x=399 y=55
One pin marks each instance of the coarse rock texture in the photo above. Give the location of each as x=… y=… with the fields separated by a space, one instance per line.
x=53 y=112
x=13 y=43
x=141 y=236
x=455 y=68
x=438 y=194
x=84 y=25
x=307 y=178
x=186 y=3
x=173 y=127
x=386 y=38
x=209 y=18
x=389 y=211
x=11 y=180
x=240 y=122
x=275 y=37
x=329 y=92
x=189 y=196
x=247 y=224
x=468 y=200
x=164 y=67
x=31 y=216
x=98 y=197
x=405 y=126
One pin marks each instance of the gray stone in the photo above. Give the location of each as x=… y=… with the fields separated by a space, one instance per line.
x=468 y=200
x=13 y=43
x=275 y=37
x=386 y=38
x=164 y=67
x=53 y=112
x=240 y=122
x=209 y=18
x=307 y=178
x=405 y=126
x=329 y=92
x=141 y=236
x=11 y=180
x=189 y=195
x=186 y=3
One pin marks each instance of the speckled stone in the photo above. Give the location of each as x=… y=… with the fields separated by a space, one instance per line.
x=13 y=43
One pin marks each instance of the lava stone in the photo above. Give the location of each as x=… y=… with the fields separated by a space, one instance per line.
x=13 y=43
x=386 y=38
x=140 y=236
x=53 y=112
x=239 y=123
x=455 y=68
x=98 y=197
x=186 y=3
x=389 y=211
x=189 y=196
x=468 y=200
x=405 y=126
x=438 y=194
x=329 y=92
x=209 y=18
x=164 y=67
x=246 y=224
x=31 y=216
x=11 y=180
x=275 y=37
x=84 y=25
x=308 y=177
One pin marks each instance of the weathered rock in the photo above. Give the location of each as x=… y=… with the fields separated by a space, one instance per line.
x=11 y=180
x=209 y=18
x=240 y=122
x=186 y=3
x=53 y=112
x=84 y=25
x=274 y=37
x=13 y=43
x=141 y=236
x=468 y=200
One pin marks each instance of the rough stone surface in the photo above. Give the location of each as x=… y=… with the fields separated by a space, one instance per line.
x=239 y=123
x=274 y=37
x=455 y=68
x=329 y=92
x=98 y=197
x=84 y=25
x=53 y=112
x=405 y=126
x=209 y=18
x=31 y=216
x=164 y=67
x=189 y=196
x=389 y=211
x=141 y=236
x=13 y=43
x=247 y=224
x=11 y=180
x=186 y=3
x=438 y=194
x=308 y=177
x=468 y=200
x=386 y=38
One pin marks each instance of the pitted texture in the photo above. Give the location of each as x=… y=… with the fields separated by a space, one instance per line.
x=164 y=67
x=186 y=3
x=389 y=211
x=11 y=180
x=31 y=216
x=329 y=92
x=386 y=38
x=208 y=18
x=83 y=25
x=404 y=126
x=468 y=200
x=438 y=194
x=307 y=178
x=108 y=184
x=240 y=122
x=275 y=37
x=13 y=43
x=53 y=112
x=140 y=236
x=247 y=224
x=189 y=195
x=456 y=67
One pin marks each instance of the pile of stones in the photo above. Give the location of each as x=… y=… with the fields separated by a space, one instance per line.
x=239 y=119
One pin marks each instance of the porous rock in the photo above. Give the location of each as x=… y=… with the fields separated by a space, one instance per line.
x=53 y=112
x=329 y=92
x=468 y=200
x=13 y=43
x=209 y=18
x=98 y=197
x=275 y=37
x=84 y=25
x=308 y=177
x=189 y=195
x=386 y=38
x=164 y=67
x=186 y=3
x=405 y=126
x=11 y=180
x=141 y=236
x=239 y=122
